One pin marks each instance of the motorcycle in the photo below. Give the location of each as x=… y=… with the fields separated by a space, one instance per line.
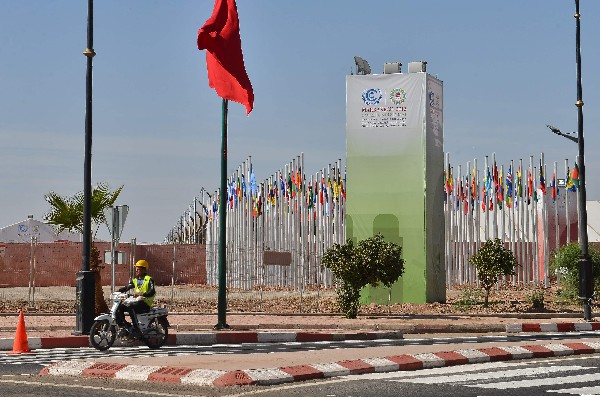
x=153 y=326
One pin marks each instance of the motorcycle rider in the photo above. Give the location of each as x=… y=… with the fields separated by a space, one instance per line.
x=144 y=290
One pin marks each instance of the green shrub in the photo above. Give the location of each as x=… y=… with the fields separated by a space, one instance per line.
x=492 y=260
x=536 y=299
x=371 y=261
x=564 y=263
x=469 y=296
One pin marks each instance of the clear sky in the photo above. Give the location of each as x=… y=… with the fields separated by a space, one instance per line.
x=508 y=69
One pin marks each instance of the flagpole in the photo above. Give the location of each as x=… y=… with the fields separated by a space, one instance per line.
x=222 y=295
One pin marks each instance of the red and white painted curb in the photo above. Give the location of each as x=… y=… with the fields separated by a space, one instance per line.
x=213 y=338
x=552 y=327
x=271 y=376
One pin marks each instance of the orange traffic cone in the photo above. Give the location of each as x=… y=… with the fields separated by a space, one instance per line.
x=20 y=345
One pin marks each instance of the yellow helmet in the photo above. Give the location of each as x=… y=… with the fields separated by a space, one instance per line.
x=142 y=263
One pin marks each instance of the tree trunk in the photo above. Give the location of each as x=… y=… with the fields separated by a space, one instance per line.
x=95 y=266
x=487 y=297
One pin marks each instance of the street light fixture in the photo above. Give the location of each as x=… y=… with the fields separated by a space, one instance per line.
x=565 y=135
x=585 y=264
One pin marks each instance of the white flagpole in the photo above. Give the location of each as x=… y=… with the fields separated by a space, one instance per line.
x=494 y=198
x=567 y=217
x=513 y=203
x=486 y=211
x=556 y=223
x=522 y=207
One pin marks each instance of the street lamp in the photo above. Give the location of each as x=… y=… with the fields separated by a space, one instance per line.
x=559 y=132
x=585 y=264
x=85 y=297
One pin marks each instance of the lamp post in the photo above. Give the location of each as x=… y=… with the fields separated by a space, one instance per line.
x=585 y=264
x=85 y=290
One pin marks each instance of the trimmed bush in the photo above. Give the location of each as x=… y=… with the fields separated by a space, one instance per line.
x=491 y=261
x=371 y=261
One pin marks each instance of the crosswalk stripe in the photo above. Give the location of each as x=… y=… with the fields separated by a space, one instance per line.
x=470 y=377
x=580 y=391
x=585 y=378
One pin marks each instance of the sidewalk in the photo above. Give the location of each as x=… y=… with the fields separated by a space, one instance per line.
x=261 y=368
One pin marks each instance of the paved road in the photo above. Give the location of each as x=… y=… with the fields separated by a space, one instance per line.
x=540 y=377
x=575 y=375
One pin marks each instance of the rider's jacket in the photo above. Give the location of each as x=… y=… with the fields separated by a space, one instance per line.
x=143 y=286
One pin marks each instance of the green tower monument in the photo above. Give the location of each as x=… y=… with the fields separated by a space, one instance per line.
x=395 y=165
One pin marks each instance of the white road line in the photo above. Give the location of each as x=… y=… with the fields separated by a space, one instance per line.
x=580 y=391
x=104 y=388
x=469 y=377
x=585 y=378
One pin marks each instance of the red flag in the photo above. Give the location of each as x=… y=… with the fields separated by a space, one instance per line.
x=220 y=37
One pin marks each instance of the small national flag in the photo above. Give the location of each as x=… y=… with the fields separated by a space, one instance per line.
x=509 y=187
x=253 y=186
x=572 y=179
x=542 y=181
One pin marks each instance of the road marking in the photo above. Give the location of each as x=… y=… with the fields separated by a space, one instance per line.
x=469 y=377
x=580 y=391
x=103 y=388
x=516 y=384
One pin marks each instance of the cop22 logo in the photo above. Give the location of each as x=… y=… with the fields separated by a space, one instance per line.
x=372 y=96
x=398 y=96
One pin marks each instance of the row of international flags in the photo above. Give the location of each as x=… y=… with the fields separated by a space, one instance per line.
x=518 y=186
x=291 y=189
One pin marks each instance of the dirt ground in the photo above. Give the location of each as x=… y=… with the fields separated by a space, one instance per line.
x=199 y=299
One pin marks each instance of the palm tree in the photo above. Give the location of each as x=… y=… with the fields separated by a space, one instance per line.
x=66 y=213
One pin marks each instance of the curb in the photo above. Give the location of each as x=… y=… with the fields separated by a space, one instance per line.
x=553 y=327
x=212 y=338
x=273 y=376
x=275 y=336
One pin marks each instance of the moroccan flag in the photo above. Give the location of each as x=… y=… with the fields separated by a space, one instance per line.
x=220 y=37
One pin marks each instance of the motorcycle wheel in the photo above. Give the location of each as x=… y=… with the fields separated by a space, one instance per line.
x=156 y=334
x=102 y=335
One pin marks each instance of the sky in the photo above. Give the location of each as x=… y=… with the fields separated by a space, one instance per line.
x=508 y=69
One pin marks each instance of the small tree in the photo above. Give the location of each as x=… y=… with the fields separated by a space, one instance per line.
x=66 y=213
x=491 y=261
x=371 y=261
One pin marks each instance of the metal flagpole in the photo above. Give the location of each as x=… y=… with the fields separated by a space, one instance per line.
x=222 y=295
x=513 y=203
x=494 y=198
x=546 y=240
x=567 y=217
x=556 y=223
x=523 y=201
